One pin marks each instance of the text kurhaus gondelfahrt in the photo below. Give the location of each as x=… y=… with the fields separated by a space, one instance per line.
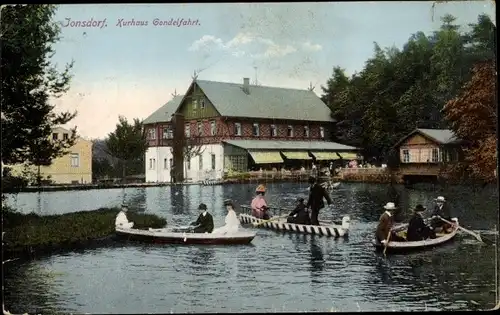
x=122 y=22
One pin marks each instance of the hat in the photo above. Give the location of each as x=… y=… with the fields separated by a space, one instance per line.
x=390 y=206
x=300 y=199
x=260 y=188
x=312 y=179
x=419 y=208
x=202 y=206
x=228 y=202
x=440 y=199
x=124 y=207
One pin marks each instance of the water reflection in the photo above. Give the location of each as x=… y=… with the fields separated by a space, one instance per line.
x=177 y=199
x=201 y=257
x=316 y=260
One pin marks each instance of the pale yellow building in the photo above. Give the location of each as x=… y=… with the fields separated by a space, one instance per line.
x=73 y=168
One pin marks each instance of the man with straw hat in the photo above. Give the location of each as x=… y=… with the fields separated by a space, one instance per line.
x=385 y=225
x=417 y=229
x=442 y=210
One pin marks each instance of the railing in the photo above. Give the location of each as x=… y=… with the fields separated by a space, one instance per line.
x=363 y=170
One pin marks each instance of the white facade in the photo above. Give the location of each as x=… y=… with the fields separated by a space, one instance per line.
x=208 y=165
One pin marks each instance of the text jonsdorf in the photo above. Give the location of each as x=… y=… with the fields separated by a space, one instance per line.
x=92 y=23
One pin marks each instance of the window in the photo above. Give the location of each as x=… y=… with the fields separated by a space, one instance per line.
x=152 y=164
x=75 y=160
x=65 y=136
x=165 y=165
x=212 y=128
x=255 y=130
x=188 y=163
x=202 y=104
x=237 y=129
x=435 y=155
x=195 y=103
x=237 y=163
x=152 y=134
x=306 y=131
x=289 y=132
x=54 y=136
x=200 y=161
x=187 y=130
x=406 y=156
x=213 y=161
x=274 y=131
x=168 y=133
x=200 y=129
x=171 y=162
x=321 y=132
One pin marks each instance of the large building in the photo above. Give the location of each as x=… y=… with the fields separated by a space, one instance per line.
x=75 y=167
x=237 y=127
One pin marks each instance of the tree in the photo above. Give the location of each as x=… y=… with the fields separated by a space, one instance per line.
x=193 y=147
x=127 y=143
x=29 y=81
x=473 y=118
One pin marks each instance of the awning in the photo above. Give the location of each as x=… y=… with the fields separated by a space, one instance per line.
x=263 y=157
x=300 y=155
x=348 y=156
x=322 y=156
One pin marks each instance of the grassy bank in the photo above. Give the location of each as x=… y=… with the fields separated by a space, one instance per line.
x=30 y=235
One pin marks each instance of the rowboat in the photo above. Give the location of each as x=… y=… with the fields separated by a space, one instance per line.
x=179 y=235
x=326 y=228
x=399 y=247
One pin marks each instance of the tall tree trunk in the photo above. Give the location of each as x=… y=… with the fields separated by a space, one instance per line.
x=124 y=171
x=39 y=176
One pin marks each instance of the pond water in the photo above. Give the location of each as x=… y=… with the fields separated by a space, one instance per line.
x=277 y=272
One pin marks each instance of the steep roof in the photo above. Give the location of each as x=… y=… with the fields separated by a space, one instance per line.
x=265 y=102
x=164 y=113
x=290 y=145
x=441 y=136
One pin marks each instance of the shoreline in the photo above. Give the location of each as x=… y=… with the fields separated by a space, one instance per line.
x=30 y=236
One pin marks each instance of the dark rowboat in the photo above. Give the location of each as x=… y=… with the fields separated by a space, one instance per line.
x=172 y=236
x=400 y=247
x=326 y=228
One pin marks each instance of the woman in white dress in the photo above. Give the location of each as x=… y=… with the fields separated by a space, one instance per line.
x=232 y=222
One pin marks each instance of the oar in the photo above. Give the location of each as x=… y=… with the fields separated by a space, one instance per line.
x=387 y=241
x=476 y=235
x=255 y=224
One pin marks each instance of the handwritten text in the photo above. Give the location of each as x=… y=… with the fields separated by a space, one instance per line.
x=85 y=23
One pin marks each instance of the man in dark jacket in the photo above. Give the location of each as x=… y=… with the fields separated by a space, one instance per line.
x=205 y=222
x=441 y=209
x=299 y=215
x=315 y=200
x=385 y=224
x=417 y=229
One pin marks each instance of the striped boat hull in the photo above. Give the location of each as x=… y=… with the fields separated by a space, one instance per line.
x=323 y=230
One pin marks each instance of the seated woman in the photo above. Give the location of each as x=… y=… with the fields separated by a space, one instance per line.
x=299 y=215
x=417 y=229
x=259 y=204
x=232 y=222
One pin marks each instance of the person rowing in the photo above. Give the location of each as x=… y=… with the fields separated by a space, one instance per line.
x=385 y=224
x=300 y=215
x=417 y=229
x=442 y=210
x=259 y=204
x=205 y=221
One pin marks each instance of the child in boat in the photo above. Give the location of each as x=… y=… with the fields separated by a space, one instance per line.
x=232 y=222
x=299 y=215
x=259 y=204
x=417 y=229
x=385 y=225
x=205 y=221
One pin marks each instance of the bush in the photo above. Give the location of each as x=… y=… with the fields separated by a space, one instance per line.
x=31 y=231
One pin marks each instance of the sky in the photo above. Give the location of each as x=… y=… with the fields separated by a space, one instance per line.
x=129 y=70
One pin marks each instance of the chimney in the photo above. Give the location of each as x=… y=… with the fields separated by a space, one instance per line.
x=246 y=85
